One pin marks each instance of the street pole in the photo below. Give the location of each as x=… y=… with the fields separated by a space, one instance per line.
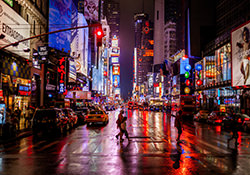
x=48 y=33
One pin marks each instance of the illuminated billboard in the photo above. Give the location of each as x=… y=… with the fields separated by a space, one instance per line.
x=116 y=69
x=114 y=60
x=91 y=9
x=115 y=51
x=114 y=42
x=116 y=80
x=60 y=13
x=240 y=55
x=14 y=28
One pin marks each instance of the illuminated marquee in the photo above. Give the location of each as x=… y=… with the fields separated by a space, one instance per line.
x=61 y=71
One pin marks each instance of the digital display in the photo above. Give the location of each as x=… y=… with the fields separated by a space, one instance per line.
x=60 y=13
x=114 y=59
x=116 y=70
x=116 y=80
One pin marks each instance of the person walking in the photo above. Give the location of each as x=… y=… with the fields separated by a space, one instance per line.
x=118 y=122
x=234 y=127
x=124 y=129
x=179 y=125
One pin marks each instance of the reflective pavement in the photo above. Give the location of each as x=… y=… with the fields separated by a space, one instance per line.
x=152 y=150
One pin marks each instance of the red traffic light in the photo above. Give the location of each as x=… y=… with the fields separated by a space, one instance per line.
x=99 y=32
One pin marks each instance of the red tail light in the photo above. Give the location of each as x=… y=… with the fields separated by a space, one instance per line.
x=182 y=103
x=218 y=121
x=247 y=119
x=87 y=116
x=102 y=116
x=239 y=120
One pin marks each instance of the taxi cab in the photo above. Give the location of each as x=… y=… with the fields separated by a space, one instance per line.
x=97 y=116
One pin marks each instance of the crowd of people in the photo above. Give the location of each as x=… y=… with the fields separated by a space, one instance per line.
x=12 y=121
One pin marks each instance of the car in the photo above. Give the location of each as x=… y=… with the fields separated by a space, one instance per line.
x=81 y=113
x=97 y=116
x=71 y=115
x=47 y=121
x=130 y=105
x=201 y=116
x=216 y=117
x=243 y=121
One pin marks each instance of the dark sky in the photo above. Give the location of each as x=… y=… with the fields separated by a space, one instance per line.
x=128 y=9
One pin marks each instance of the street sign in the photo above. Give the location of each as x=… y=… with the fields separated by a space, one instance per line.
x=43 y=50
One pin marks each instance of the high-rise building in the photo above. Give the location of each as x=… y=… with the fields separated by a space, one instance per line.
x=111 y=9
x=158 y=34
x=144 y=46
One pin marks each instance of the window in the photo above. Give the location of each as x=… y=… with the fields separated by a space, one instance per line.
x=34 y=27
x=157 y=14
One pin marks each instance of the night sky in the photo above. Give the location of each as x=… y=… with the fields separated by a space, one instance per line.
x=128 y=9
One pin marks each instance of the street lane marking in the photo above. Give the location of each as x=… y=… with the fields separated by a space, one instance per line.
x=31 y=146
x=47 y=146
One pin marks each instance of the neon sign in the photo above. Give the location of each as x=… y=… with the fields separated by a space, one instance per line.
x=61 y=71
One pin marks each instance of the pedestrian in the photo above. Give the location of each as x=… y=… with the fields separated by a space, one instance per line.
x=234 y=127
x=124 y=129
x=118 y=122
x=179 y=124
x=18 y=115
x=26 y=117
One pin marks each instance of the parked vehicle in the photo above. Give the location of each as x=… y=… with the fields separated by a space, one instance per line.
x=216 y=117
x=81 y=114
x=48 y=121
x=97 y=116
x=243 y=121
x=72 y=116
x=201 y=116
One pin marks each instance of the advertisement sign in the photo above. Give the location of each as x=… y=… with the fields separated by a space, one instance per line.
x=114 y=60
x=116 y=69
x=60 y=13
x=116 y=80
x=91 y=9
x=72 y=71
x=61 y=71
x=2 y=113
x=183 y=64
x=24 y=90
x=79 y=47
x=115 y=51
x=12 y=27
x=117 y=91
x=114 y=42
x=240 y=56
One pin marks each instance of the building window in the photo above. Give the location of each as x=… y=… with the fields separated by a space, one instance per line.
x=157 y=14
x=34 y=27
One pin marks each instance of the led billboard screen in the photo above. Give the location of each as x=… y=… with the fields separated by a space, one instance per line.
x=116 y=70
x=240 y=55
x=60 y=18
x=116 y=80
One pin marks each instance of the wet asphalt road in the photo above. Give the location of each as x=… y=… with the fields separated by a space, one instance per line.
x=152 y=150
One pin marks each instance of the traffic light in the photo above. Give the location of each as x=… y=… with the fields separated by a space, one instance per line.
x=99 y=34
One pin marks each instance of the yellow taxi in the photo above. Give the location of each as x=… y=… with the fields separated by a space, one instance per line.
x=97 y=116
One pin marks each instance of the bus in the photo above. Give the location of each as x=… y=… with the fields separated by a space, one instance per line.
x=185 y=103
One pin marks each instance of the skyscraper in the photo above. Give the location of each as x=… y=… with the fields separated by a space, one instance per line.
x=144 y=46
x=111 y=10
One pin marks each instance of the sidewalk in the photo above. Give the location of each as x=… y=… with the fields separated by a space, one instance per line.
x=24 y=132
